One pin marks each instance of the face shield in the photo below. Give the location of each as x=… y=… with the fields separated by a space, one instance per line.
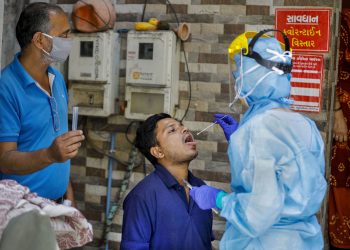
x=244 y=61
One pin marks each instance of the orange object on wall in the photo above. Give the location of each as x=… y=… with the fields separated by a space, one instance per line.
x=93 y=15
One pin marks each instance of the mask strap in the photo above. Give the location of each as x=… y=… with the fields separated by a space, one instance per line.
x=281 y=56
x=257 y=84
x=47 y=53
x=255 y=67
x=286 y=68
x=257 y=36
x=47 y=35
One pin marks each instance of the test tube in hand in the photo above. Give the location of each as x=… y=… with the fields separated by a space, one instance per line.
x=75 y=118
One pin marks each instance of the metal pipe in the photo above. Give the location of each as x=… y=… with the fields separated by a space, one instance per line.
x=109 y=185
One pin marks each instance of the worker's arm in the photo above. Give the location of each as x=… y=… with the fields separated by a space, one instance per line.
x=64 y=147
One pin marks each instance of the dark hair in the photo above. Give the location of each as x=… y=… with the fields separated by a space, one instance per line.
x=34 y=18
x=146 y=135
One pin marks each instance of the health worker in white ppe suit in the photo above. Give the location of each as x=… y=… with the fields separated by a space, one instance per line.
x=276 y=156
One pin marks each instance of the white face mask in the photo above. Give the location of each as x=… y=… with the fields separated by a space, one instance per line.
x=60 y=48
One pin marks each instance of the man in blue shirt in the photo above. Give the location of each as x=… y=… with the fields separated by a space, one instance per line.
x=35 y=147
x=158 y=212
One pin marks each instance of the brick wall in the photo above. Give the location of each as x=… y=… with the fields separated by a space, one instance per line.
x=214 y=23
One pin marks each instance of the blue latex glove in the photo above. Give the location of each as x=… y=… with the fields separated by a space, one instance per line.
x=228 y=124
x=205 y=196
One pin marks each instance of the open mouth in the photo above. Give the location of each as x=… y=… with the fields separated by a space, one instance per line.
x=189 y=140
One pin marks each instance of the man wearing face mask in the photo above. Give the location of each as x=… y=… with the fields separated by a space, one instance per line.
x=35 y=145
x=276 y=156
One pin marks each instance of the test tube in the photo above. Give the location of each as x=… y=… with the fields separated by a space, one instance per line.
x=75 y=110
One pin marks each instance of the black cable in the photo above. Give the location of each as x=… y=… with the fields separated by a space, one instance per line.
x=101 y=150
x=173 y=10
x=186 y=63
x=143 y=11
x=189 y=87
x=127 y=130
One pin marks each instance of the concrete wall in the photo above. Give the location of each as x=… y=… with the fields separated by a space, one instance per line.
x=214 y=23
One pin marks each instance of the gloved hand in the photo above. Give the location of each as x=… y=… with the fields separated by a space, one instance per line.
x=227 y=123
x=205 y=196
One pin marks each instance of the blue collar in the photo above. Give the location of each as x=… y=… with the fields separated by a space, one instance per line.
x=170 y=180
x=24 y=77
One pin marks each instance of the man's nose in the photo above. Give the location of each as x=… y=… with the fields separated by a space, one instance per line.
x=184 y=129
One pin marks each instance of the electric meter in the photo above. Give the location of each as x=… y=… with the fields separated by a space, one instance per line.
x=93 y=73
x=152 y=73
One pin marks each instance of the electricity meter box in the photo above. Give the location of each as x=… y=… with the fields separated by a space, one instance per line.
x=152 y=73
x=143 y=102
x=93 y=73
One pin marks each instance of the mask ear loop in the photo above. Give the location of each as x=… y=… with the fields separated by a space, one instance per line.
x=258 y=83
x=255 y=67
x=276 y=71
x=261 y=79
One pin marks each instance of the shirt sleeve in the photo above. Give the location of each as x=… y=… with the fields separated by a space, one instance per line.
x=9 y=118
x=137 y=224
x=259 y=206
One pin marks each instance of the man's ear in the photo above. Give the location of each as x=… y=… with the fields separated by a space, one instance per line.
x=157 y=152
x=37 y=40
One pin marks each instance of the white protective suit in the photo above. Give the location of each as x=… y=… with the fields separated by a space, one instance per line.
x=277 y=167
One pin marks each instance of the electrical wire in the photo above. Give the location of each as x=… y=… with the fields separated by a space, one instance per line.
x=189 y=86
x=186 y=63
x=143 y=10
x=133 y=143
x=174 y=12
x=101 y=150
x=127 y=131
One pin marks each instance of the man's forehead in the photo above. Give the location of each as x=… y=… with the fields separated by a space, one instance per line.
x=59 y=20
x=166 y=122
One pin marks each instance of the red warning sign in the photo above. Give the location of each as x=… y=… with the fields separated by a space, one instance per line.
x=307 y=77
x=307 y=29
